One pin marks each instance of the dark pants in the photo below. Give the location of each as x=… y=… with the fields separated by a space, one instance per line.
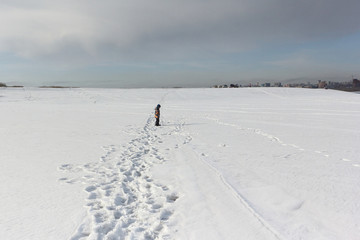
x=157 y=122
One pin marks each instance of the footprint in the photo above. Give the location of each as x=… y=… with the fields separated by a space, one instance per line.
x=72 y=181
x=95 y=205
x=159 y=228
x=172 y=197
x=148 y=179
x=100 y=217
x=119 y=201
x=92 y=196
x=117 y=214
x=156 y=206
x=66 y=167
x=83 y=231
x=128 y=222
x=105 y=228
x=88 y=177
x=165 y=215
x=110 y=208
x=90 y=188
x=108 y=192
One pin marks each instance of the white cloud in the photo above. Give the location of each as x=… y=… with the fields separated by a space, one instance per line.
x=125 y=29
x=32 y=32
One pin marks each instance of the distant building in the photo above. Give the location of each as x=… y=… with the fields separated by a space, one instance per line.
x=356 y=83
x=322 y=84
x=353 y=85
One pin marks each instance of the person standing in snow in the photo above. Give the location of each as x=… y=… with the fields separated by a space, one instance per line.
x=157 y=115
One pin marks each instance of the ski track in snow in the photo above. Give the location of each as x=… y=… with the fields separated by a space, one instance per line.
x=123 y=201
x=276 y=139
x=241 y=198
x=235 y=193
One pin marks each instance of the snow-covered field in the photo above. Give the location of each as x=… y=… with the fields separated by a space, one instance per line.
x=257 y=163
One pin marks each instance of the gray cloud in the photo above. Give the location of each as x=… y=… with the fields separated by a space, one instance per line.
x=118 y=30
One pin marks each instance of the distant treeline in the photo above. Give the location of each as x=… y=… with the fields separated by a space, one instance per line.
x=4 y=85
x=55 y=87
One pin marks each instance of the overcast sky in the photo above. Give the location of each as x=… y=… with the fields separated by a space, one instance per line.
x=163 y=43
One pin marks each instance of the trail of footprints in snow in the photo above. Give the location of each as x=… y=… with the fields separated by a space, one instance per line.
x=276 y=139
x=123 y=201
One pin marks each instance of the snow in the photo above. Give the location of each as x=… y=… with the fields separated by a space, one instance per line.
x=250 y=163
